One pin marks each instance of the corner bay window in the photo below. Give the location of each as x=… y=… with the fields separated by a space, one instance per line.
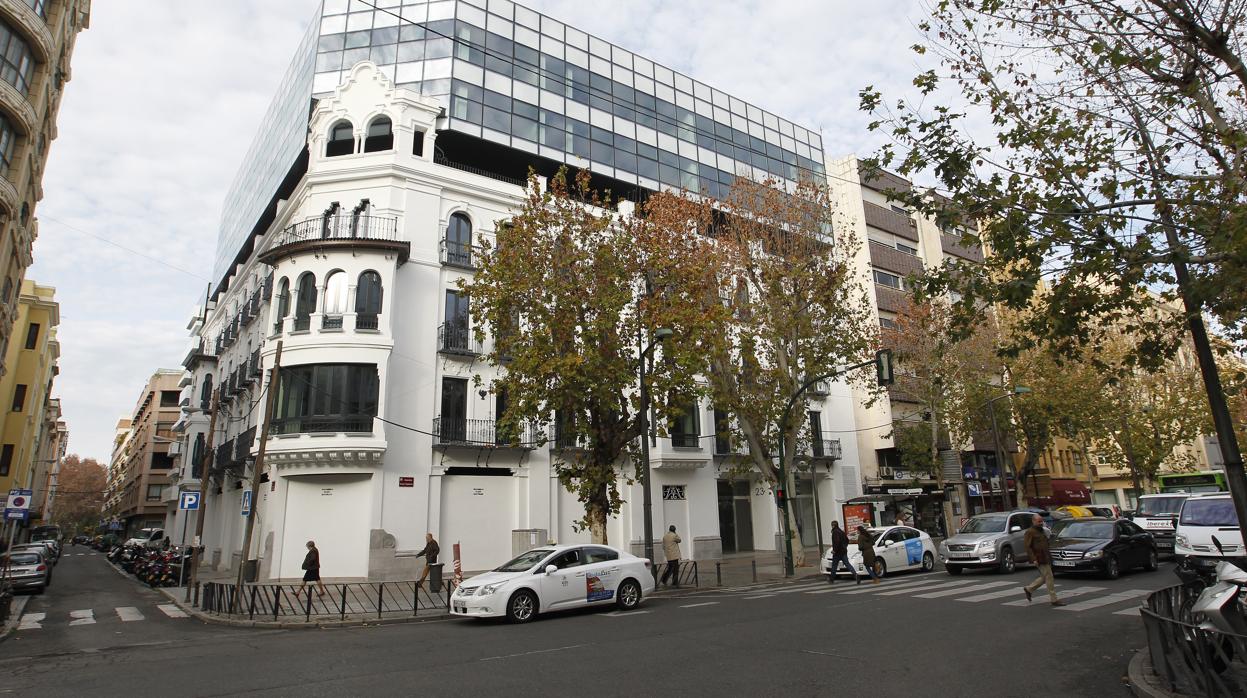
x=326 y=398
x=17 y=61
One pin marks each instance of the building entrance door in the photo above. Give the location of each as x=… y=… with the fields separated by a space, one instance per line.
x=735 y=516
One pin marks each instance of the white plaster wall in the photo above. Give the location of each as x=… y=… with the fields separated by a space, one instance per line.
x=478 y=513
x=332 y=510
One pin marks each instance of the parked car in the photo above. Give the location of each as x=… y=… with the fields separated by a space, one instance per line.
x=555 y=578
x=1103 y=545
x=1156 y=514
x=897 y=548
x=45 y=547
x=1205 y=517
x=29 y=569
x=988 y=541
x=147 y=538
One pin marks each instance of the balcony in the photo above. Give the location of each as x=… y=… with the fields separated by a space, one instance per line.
x=322 y=424
x=331 y=322
x=256 y=365
x=346 y=231
x=367 y=321
x=824 y=448
x=456 y=339
x=952 y=245
x=481 y=433
x=199 y=351
x=890 y=221
x=891 y=259
x=458 y=254
x=683 y=440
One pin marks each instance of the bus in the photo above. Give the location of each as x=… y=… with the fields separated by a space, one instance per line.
x=1192 y=483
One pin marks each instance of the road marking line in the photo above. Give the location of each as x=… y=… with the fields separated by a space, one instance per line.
x=1064 y=594
x=1132 y=611
x=128 y=614
x=954 y=592
x=942 y=585
x=695 y=605
x=525 y=654
x=172 y=610
x=1004 y=594
x=759 y=596
x=617 y=614
x=84 y=617
x=1106 y=600
x=889 y=586
x=30 y=621
x=793 y=590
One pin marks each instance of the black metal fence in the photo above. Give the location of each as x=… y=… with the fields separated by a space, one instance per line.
x=1187 y=658
x=686 y=573
x=356 y=600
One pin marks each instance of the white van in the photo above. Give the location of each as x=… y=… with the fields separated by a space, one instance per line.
x=148 y=538
x=1203 y=517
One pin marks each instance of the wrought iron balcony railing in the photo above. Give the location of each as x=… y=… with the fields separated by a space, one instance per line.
x=322 y=424
x=481 y=433
x=342 y=229
x=456 y=338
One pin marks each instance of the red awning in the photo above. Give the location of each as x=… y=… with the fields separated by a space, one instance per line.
x=1065 y=492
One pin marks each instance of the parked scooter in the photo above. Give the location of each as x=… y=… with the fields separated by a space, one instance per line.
x=1220 y=606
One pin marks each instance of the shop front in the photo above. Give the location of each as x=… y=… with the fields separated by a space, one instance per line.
x=1065 y=492
x=917 y=504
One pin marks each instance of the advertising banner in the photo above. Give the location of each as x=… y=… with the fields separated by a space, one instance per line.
x=857 y=515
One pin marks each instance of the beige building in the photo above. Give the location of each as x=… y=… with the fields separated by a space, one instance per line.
x=141 y=467
x=36 y=43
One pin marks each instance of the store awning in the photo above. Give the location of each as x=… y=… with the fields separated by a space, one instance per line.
x=1065 y=491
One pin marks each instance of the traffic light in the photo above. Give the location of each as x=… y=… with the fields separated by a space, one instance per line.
x=883 y=367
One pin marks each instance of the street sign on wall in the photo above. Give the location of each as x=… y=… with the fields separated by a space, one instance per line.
x=246 y=502
x=189 y=500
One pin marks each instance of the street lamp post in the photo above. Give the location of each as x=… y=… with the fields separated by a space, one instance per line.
x=1000 y=454
x=647 y=503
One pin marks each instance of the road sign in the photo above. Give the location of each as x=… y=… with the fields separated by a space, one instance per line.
x=17 y=506
x=974 y=489
x=246 y=502
x=189 y=500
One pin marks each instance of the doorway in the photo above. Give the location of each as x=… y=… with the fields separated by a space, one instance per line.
x=735 y=516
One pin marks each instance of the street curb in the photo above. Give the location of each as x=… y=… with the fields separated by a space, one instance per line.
x=1142 y=678
x=293 y=625
x=15 y=616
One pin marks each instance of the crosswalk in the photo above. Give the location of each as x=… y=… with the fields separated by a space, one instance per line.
x=1005 y=592
x=87 y=616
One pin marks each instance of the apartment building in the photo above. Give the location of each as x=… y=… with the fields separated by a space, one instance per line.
x=27 y=390
x=36 y=44
x=141 y=468
x=190 y=431
x=53 y=443
x=344 y=238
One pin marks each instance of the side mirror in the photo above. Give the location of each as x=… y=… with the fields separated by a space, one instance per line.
x=887 y=543
x=1014 y=529
x=551 y=569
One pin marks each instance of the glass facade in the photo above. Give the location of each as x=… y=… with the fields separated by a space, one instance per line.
x=512 y=76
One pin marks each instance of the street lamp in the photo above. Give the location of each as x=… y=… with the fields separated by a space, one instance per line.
x=647 y=506
x=1000 y=455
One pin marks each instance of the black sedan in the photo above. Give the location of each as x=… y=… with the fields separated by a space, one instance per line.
x=1107 y=546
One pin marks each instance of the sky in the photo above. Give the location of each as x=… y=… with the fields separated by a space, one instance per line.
x=165 y=98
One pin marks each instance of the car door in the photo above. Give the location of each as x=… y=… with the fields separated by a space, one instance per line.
x=1137 y=539
x=1017 y=538
x=565 y=586
x=912 y=542
x=892 y=547
x=602 y=574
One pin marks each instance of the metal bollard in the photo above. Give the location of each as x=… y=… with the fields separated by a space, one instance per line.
x=754 y=565
x=718 y=573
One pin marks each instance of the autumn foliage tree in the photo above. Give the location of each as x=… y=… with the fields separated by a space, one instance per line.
x=79 y=495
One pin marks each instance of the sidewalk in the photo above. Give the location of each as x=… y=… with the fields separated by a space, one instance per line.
x=743 y=569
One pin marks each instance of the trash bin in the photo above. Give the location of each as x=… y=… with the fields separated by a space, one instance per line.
x=435 y=578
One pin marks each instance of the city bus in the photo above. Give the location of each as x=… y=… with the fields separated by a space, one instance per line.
x=1192 y=483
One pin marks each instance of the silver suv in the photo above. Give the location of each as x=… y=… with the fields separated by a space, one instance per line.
x=988 y=541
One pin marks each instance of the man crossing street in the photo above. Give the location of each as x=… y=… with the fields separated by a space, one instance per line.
x=671 y=550
x=840 y=553
x=1036 y=543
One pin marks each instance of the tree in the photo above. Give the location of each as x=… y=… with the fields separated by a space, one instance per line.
x=79 y=495
x=562 y=295
x=1110 y=156
x=779 y=290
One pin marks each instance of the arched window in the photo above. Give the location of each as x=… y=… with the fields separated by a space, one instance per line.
x=283 y=304
x=341 y=140
x=459 y=241
x=368 y=301
x=335 y=300
x=307 y=303
x=205 y=393
x=380 y=135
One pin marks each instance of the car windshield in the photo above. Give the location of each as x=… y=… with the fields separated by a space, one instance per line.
x=25 y=559
x=1154 y=506
x=526 y=561
x=985 y=524
x=1208 y=512
x=1101 y=530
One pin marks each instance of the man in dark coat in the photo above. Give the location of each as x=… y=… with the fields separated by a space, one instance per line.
x=866 y=544
x=429 y=553
x=1036 y=542
x=840 y=553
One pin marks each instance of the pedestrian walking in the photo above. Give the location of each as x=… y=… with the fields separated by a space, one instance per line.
x=429 y=552
x=866 y=544
x=671 y=550
x=1036 y=542
x=311 y=571
x=840 y=553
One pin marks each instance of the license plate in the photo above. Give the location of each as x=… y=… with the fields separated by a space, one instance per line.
x=958 y=556
x=1062 y=563
x=461 y=608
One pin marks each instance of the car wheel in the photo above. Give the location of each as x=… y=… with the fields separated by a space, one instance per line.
x=628 y=596
x=522 y=607
x=928 y=562
x=1111 y=569
x=881 y=568
x=954 y=570
x=1153 y=561
x=1007 y=563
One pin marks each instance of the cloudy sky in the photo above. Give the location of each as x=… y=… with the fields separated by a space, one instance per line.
x=166 y=96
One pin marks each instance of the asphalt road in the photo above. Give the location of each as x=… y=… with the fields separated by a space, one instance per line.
x=913 y=634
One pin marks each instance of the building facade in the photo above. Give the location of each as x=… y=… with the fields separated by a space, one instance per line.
x=27 y=390
x=345 y=249
x=141 y=468
x=36 y=44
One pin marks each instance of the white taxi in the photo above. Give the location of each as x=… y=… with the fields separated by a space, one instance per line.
x=554 y=578
x=896 y=548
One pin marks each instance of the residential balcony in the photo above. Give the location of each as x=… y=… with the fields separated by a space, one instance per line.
x=199 y=351
x=823 y=448
x=367 y=321
x=890 y=221
x=482 y=433
x=952 y=245
x=345 y=231
x=683 y=440
x=457 y=339
x=458 y=254
x=891 y=259
x=322 y=424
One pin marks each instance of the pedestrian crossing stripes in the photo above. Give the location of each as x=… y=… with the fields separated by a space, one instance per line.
x=84 y=617
x=87 y=616
x=1061 y=593
x=953 y=592
x=1106 y=600
x=31 y=621
x=946 y=585
x=889 y=586
x=129 y=614
x=1013 y=591
x=172 y=610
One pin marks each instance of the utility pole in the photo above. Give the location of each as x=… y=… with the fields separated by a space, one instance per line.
x=205 y=483
x=256 y=470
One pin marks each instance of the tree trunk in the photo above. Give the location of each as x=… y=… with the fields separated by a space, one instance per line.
x=798 y=550
x=597 y=509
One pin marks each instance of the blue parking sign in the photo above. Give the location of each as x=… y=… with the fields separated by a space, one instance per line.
x=189 y=500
